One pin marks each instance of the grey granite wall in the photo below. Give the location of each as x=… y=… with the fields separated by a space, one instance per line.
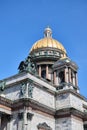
x=69 y=100
x=44 y=97
x=13 y=92
x=69 y=123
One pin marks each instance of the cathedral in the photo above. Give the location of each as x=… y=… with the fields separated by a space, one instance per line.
x=44 y=94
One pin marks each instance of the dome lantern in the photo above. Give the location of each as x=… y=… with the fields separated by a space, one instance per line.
x=48 y=32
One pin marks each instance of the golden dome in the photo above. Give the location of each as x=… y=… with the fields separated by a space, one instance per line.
x=48 y=42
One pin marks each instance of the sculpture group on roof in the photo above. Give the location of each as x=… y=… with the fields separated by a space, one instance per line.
x=27 y=65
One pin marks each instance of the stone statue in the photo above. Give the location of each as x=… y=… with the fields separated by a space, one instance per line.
x=27 y=65
x=2 y=85
x=21 y=66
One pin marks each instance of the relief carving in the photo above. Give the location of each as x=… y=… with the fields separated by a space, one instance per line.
x=43 y=126
x=23 y=89
x=26 y=89
x=30 y=90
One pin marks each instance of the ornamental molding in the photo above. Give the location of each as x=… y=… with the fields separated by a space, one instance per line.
x=43 y=126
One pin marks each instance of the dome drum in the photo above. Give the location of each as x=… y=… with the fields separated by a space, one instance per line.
x=47 y=53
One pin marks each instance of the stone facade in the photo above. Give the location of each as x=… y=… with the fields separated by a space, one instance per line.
x=69 y=100
x=63 y=124
x=44 y=95
x=69 y=124
x=43 y=105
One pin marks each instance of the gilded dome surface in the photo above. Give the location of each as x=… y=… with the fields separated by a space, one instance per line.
x=48 y=41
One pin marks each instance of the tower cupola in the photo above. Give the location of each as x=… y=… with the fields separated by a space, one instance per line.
x=48 y=32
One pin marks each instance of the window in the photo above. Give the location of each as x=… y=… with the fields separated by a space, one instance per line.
x=43 y=74
x=61 y=77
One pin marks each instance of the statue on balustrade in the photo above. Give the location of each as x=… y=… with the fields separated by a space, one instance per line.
x=2 y=85
x=27 y=65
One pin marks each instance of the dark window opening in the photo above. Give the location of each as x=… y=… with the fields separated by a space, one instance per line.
x=85 y=127
x=71 y=77
x=61 y=77
x=43 y=74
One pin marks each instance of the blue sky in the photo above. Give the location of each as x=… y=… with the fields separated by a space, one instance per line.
x=22 y=22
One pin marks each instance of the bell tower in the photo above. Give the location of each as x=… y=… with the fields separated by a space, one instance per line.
x=65 y=74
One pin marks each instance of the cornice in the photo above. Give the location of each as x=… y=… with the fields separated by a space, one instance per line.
x=26 y=76
x=67 y=112
x=28 y=102
x=70 y=91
